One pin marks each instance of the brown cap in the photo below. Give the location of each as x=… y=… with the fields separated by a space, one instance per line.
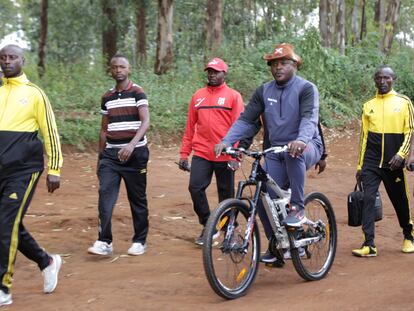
x=283 y=50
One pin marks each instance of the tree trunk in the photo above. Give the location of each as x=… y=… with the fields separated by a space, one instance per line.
x=327 y=21
x=377 y=11
x=341 y=26
x=380 y=19
x=256 y=30
x=43 y=37
x=214 y=22
x=391 y=19
x=269 y=21
x=110 y=31
x=323 y=21
x=354 y=23
x=164 y=56
x=248 y=33
x=363 y=21
x=331 y=14
x=141 y=21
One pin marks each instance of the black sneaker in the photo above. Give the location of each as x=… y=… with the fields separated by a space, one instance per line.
x=277 y=264
x=295 y=218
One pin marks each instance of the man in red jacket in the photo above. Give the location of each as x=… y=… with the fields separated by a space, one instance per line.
x=211 y=112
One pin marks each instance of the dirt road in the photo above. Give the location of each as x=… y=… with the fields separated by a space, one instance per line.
x=170 y=275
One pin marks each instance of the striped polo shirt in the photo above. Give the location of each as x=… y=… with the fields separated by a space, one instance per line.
x=121 y=107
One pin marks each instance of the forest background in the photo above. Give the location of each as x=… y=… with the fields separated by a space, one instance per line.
x=168 y=42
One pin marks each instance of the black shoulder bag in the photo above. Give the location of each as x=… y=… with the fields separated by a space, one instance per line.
x=356 y=203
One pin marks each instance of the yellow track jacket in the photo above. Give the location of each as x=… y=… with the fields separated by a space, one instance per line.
x=387 y=126
x=24 y=109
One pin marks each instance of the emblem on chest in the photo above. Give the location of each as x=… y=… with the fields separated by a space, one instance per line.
x=23 y=101
x=221 y=101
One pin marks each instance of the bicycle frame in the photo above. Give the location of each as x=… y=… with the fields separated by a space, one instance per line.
x=261 y=180
x=275 y=212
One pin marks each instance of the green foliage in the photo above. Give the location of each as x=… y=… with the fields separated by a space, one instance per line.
x=75 y=79
x=344 y=83
x=8 y=14
x=74 y=91
x=78 y=130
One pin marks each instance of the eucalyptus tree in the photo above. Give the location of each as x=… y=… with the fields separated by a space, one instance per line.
x=391 y=19
x=141 y=8
x=73 y=32
x=110 y=29
x=164 y=55
x=42 y=37
x=327 y=22
x=214 y=34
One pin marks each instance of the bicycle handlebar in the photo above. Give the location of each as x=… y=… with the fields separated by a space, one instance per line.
x=237 y=151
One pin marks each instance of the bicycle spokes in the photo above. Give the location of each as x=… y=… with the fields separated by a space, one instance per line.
x=230 y=266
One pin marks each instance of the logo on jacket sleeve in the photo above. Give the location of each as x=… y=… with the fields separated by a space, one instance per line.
x=221 y=101
x=199 y=101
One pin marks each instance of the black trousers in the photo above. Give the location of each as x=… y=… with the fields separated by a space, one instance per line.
x=15 y=196
x=396 y=186
x=134 y=174
x=200 y=178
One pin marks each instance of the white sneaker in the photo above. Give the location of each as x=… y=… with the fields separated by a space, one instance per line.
x=5 y=299
x=286 y=254
x=101 y=248
x=50 y=274
x=137 y=249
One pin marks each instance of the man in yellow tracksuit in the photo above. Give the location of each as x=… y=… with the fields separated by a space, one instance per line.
x=387 y=127
x=24 y=110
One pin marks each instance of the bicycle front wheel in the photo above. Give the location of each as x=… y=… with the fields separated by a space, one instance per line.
x=230 y=261
x=314 y=261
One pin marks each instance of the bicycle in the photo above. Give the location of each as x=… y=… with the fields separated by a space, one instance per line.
x=231 y=251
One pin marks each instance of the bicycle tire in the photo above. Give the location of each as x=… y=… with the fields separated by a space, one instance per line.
x=307 y=266
x=229 y=271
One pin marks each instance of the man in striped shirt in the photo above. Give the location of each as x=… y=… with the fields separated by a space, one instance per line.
x=123 y=154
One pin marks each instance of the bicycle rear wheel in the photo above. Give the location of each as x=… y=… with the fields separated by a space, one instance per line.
x=319 y=256
x=230 y=265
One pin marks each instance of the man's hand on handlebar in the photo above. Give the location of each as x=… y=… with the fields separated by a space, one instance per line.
x=218 y=149
x=296 y=148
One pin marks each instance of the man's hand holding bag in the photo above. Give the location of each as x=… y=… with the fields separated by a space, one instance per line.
x=356 y=204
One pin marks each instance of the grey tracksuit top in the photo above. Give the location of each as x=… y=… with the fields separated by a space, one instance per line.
x=290 y=112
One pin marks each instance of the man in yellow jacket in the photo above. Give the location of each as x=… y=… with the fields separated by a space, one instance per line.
x=24 y=110
x=387 y=127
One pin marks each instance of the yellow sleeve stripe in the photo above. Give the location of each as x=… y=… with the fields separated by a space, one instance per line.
x=361 y=145
x=407 y=144
x=55 y=153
